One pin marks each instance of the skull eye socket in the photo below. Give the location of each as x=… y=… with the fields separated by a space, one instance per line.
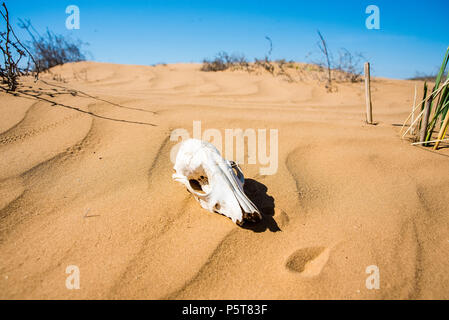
x=199 y=182
x=195 y=185
x=200 y=185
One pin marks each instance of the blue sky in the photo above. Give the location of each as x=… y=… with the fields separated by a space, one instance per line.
x=413 y=36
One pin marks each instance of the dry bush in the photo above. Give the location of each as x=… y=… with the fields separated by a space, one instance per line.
x=163 y=64
x=424 y=77
x=51 y=50
x=224 y=61
x=265 y=63
x=322 y=45
x=39 y=54
x=13 y=54
x=281 y=70
x=350 y=66
x=429 y=77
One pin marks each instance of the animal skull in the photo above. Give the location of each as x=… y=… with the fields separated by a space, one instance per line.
x=216 y=183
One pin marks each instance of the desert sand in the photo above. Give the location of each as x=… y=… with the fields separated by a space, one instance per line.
x=85 y=180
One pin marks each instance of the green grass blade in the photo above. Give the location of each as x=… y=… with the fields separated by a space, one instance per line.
x=438 y=111
x=442 y=69
x=437 y=84
x=444 y=110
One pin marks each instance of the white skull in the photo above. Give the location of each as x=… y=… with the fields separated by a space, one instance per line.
x=215 y=182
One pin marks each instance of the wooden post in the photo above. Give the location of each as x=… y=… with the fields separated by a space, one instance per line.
x=369 y=108
x=425 y=121
x=412 y=131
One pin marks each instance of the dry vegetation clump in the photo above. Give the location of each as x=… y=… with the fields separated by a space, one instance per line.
x=12 y=65
x=32 y=57
x=224 y=61
x=285 y=69
x=289 y=71
x=433 y=116
x=50 y=50
x=265 y=64
x=348 y=67
x=429 y=77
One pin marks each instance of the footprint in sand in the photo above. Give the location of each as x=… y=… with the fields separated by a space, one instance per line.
x=308 y=261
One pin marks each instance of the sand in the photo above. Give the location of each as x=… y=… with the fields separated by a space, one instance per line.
x=85 y=180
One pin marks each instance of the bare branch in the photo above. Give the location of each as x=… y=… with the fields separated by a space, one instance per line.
x=325 y=51
x=12 y=52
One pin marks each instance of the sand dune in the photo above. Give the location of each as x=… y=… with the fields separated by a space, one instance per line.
x=86 y=180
